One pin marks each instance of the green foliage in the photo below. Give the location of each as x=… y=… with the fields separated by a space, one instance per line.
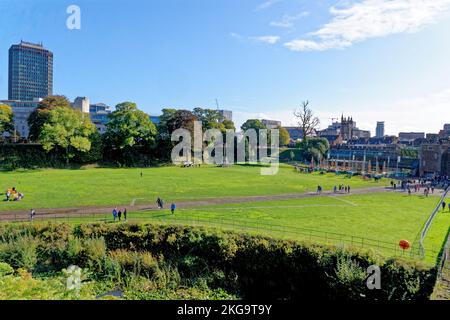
x=253 y=124
x=210 y=118
x=153 y=261
x=129 y=126
x=285 y=138
x=19 y=253
x=41 y=114
x=409 y=153
x=67 y=129
x=5 y=269
x=6 y=119
x=316 y=148
x=130 y=136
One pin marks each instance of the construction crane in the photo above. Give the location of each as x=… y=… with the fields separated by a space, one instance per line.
x=217 y=104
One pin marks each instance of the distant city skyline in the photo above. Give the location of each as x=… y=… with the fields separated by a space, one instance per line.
x=259 y=60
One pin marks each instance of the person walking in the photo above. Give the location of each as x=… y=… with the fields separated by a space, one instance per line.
x=32 y=214
x=114 y=213
x=119 y=214
x=173 y=206
x=158 y=202
x=348 y=189
x=125 y=214
x=335 y=189
x=443 y=205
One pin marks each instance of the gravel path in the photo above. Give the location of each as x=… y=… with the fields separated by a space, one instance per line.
x=96 y=210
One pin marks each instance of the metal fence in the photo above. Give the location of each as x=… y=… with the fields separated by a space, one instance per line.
x=427 y=226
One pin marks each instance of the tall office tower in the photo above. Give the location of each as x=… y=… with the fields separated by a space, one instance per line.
x=30 y=72
x=380 y=129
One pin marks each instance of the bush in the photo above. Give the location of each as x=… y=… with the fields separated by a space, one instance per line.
x=167 y=258
x=5 y=269
x=20 y=253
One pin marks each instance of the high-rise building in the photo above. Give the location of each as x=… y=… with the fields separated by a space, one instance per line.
x=82 y=104
x=227 y=114
x=380 y=129
x=30 y=72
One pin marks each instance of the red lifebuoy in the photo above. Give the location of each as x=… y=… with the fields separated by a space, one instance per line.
x=404 y=244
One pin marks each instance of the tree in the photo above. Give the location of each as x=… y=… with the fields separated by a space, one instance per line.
x=210 y=118
x=40 y=115
x=129 y=126
x=182 y=119
x=229 y=125
x=306 y=120
x=253 y=124
x=314 y=148
x=285 y=138
x=67 y=129
x=6 y=119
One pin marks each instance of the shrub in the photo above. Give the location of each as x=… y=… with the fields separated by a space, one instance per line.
x=20 y=253
x=5 y=269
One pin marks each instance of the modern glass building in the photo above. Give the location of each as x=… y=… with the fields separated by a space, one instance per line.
x=99 y=115
x=30 y=72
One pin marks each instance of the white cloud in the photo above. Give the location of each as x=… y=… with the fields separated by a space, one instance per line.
x=267 y=39
x=424 y=113
x=287 y=21
x=267 y=4
x=361 y=20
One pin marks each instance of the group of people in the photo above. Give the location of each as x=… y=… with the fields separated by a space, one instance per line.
x=117 y=214
x=13 y=195
x=341 y=188
x=160 y=204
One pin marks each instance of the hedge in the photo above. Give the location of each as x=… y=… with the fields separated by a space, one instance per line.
x=252 y=267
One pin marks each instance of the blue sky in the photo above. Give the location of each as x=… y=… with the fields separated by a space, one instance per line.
x=371 y=59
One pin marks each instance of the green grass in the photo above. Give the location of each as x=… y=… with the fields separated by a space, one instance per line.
x=96 y=187
x=382 y=220
x=386 y=217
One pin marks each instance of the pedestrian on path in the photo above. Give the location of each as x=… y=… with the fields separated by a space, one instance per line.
x=125 y=214
x=32 y=214
x=173 y=206
x=114 y=213
x=443 y=205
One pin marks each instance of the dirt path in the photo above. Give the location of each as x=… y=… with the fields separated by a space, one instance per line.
x=96 y=210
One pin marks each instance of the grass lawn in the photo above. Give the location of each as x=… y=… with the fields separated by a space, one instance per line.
x=382 y=220
x=91 y=187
